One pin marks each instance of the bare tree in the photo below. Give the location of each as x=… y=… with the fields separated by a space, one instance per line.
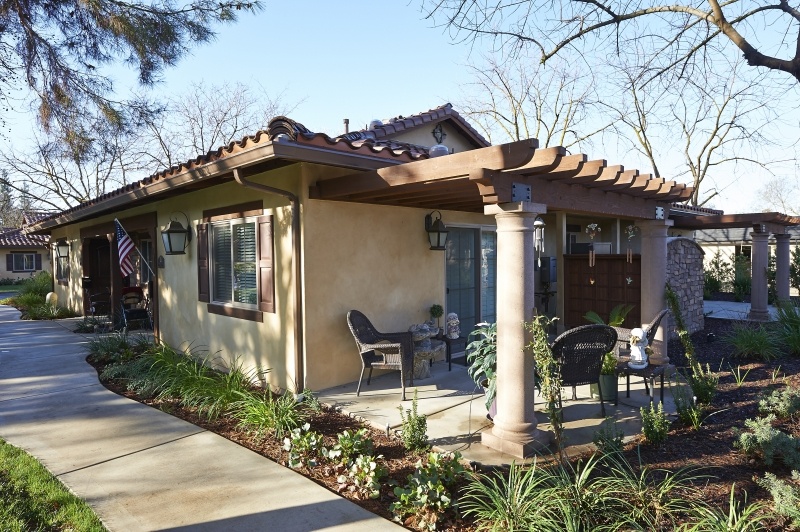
x=205 y=118
x=661 y=34
x=71 y=166
x=780 y=194
x=547 y=103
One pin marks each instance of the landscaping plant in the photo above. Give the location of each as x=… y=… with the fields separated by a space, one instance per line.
x=608 y=438
x=414 y=427
x=783 y=403
x=364 y=477
x=718 y=275
x=769 y=443
x=655 y=425
x=739 y=518
x=788 y=319
x=482 y=357
x=742 y=278
x=753 y=341
x=549 y=375
x=304 y=446
x=265 y=413
x=785 y=496
x=615 y=318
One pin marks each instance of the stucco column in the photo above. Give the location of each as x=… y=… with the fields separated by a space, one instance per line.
x=782 y=262
x=514 y=430
x=758 y=270
x=654 y=278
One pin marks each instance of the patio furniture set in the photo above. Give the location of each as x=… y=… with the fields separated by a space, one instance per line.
x=580 y=352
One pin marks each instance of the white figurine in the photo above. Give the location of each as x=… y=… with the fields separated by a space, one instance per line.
x=453 y=330
x=638 y=345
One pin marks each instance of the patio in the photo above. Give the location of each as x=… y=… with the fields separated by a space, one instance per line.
x=457 y=414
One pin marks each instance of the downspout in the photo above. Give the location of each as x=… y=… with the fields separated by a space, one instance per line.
x=296 y=255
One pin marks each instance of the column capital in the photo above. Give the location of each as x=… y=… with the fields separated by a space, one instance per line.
x=516 y=207
x=782 y=237
x=759 y=236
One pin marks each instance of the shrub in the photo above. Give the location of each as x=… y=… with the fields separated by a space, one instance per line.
x=503 y=502
x=415 y=427
x=265 y=413
x=350 y=444
x=686 y=405
x=47 y=312
x=752 y=341
x=428 y=493
x=213 y=393
x=785 y=495
x=782 y=403
x=769 y=443
x=789 y=326
x=25 y=302
x=304 y=446
x=794 y=268
x=136 y=374
x=119 y=347
x=718 y=274
x=742 y=279
x=40 y=284
x=363 y=478
x=655 y=424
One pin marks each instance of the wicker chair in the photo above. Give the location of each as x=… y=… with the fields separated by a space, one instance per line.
x=580 y=353
x=624 y=335
x=381 y=350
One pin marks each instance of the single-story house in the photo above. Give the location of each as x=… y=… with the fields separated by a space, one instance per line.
x=289 y=229
x=23 y=255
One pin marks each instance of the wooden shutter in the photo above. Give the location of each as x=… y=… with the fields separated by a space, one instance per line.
x=266 y=265
x=10 y=262
x=202 y=263
x=37 y=261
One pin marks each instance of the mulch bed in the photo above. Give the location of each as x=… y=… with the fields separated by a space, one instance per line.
x=710 y=448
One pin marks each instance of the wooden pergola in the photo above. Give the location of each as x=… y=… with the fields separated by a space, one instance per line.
x=470 y=180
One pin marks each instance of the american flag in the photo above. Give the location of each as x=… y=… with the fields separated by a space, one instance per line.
x=125 y=245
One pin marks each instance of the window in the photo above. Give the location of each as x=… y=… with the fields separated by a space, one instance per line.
x=23 y=262
x=235 y=262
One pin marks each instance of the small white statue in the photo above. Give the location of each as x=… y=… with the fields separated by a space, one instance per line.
x=453 y=330
x=638 y=349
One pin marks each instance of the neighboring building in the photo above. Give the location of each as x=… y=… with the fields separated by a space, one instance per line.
x=290 y=229
x=23 y=255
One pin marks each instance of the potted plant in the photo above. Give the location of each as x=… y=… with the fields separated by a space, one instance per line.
x=482 y=356
x=615 y=318
x=436 y=312
x=608 y=379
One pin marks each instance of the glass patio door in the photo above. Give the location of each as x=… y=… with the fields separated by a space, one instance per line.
x=471 y=276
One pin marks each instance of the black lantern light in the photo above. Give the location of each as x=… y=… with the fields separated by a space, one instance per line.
x=437 y=231
x=176 y=237
x=62 y=249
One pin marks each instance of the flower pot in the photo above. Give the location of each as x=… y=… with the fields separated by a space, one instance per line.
x=608 y=383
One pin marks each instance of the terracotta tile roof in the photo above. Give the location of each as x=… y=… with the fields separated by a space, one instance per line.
x=15 y=238
x=401 y=123
x=31 y=217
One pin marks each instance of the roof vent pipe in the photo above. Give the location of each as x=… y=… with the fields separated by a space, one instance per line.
x=346 y=126
x=437 y=150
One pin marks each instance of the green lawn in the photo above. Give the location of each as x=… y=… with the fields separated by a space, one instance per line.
x=33 y=499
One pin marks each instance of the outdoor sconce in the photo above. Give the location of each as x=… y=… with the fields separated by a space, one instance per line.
x=538 y=240
x=437 y=231
x=175 y=237
x=62 y=249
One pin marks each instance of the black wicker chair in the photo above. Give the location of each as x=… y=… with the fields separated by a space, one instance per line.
x=624 y=335
x=580 y=353
x=381 y=350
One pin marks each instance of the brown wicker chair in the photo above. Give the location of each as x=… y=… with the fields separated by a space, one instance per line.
x=580 y=353
x=381 y=350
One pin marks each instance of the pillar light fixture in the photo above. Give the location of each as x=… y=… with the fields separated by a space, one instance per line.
x=62 y=249
x=538 y=240
x=437 y=231
x=176 y=237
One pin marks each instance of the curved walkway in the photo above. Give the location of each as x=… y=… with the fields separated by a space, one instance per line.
x=139 y=468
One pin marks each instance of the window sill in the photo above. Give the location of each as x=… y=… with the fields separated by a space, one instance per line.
x=236 y=312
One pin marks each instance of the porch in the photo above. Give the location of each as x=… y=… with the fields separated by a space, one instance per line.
x=457 y=413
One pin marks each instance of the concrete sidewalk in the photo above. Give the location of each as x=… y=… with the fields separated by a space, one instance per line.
x=731 y=310
x=139 y=468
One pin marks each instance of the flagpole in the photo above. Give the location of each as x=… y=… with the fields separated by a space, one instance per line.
x=144 y=260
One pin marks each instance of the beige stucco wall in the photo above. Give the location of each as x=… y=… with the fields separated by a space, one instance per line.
x=183 y=320
x=6 y=274
x=423 y=136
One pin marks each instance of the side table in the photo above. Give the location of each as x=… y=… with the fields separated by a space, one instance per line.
x=461 y=341
x=649 y=374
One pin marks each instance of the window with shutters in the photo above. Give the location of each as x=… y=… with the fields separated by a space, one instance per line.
x=23 y=262
x=235 y=262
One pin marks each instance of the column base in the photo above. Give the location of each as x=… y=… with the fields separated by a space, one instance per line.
x=759 y=315
x=530 y=446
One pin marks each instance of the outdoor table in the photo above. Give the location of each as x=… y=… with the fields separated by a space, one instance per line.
x=461 y=341
x=649 y=373
x=423 y=357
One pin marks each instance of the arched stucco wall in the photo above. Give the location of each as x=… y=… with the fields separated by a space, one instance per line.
x=685 y=276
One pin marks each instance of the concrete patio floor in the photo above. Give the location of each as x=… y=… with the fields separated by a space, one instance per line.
x=457 y=413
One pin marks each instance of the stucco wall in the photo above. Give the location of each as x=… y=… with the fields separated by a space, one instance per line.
x=685 y=276
x=423 y=136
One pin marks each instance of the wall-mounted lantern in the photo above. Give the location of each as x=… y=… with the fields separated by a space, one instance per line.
x=62 y=249
x=437 y=231
x=176 y=237
x=538 y=240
